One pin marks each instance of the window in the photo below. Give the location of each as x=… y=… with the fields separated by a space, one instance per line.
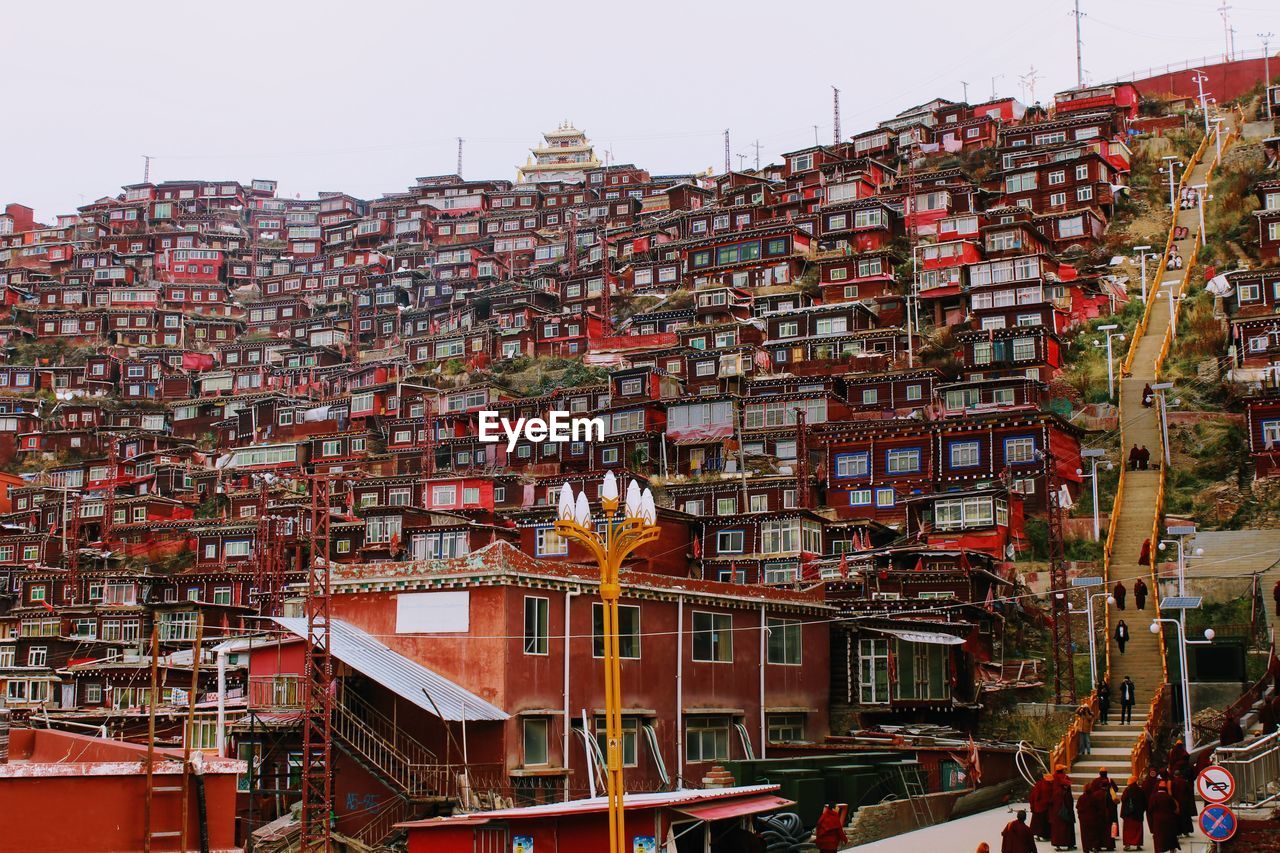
x=1020 y=183
x=536 y=730
x=873 y=672
x=38 y=656
x=548 y=543
x=1059 y=177
x=712 y=637
x=1084 y=193
x=914 y=392
x=630 y=739
x=784 y=641
x=536 y=628
x=786 y=728
x=726 y=506
x=788 y=330
x=965 y=454
x=852 y=464
x=628 y=630
x=922 y=671
x=905 y=460
x=707 y=739
x=730 y=541
x=869 y=396
x=1057 y=199
x=884 y=497
x=1018 y=451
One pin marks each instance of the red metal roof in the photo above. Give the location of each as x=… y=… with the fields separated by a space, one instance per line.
x=737 y=808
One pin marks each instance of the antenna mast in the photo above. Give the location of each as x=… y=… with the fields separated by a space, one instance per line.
x=835 y=119
x=459 y=170
x=727 y=164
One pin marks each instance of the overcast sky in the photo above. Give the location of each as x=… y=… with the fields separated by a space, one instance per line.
x=364 y=95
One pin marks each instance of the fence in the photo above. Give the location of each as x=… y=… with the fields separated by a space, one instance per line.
x=1187 y=65
x=1256 y=768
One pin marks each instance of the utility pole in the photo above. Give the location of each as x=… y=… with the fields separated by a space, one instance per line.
x=146 y=168
x=1077 y=14
x=1064 y=658
x=965 y=84
x=815 y=134
x=1233 y=44
x=460 y=141
x=1029 y=82
x=1226 y=30
x=1266 y=70
x=835 y=123
x=993 y=85
x=727 y=163
x=756 y=145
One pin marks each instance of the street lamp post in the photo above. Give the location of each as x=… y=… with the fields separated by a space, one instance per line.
x=1093 y=640
x=1111 y=379
x=1173 y=307
x=1171 y=164
x=1142 y=259
x=1200 y=79
x=623 y=533
x=1183 y=642
x=1159 y=388
x=1095 y=458
x=1202 y=195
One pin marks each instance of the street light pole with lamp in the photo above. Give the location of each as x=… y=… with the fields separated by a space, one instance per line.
x=1266 y=69
x=1187 y=734
x=1095 y=458
x=1200 y=79
x=1173 y=306
x=1171 y=163
x=1159 y=388
x=623 y=533
x=1111 y=379
x=1202 y=195
x=1142 y=260
x=1088 y=610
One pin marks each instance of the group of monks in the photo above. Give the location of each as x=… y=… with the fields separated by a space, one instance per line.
x=1165 y=799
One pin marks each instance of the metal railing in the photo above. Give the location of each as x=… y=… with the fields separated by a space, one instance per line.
x=1256 y=768
x=382 y=743
x=1140 y=755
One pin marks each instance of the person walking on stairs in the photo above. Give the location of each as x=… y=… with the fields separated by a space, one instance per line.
x=1144 y=556
x=1133 y=806
x=1135 y=457
x=1062 y=816
x=1104 y=701
x=1041 y=801
x=1119 y=593
x=1140 y=594
x=1121 y=635
x=1127 y=699
x=1231 y=733
x=1016 y=836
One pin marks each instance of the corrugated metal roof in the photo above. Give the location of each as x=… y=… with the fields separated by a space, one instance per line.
x=399 y=674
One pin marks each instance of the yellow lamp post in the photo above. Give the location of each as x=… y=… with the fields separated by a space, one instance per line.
x=622 y=533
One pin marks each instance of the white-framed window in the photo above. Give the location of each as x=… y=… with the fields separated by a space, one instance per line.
x=712 y=637
x=903 y=460
x=784 y=641
x=536 y=625
x=965 y=454
x=548 y=543
x=873 y=671
x=1019 y=450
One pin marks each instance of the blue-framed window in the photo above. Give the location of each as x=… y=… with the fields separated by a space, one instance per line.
x=1270 y=433
x=853 y=464
x=902 y=460
x=730 y=541
x=884 y=497
x=1020 y=450
x=964 y=454
x=860 y=497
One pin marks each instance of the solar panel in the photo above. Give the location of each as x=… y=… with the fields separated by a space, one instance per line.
x=1086 y=581
x=1180 y=602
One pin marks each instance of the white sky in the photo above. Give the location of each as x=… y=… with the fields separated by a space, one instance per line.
x=365 y=95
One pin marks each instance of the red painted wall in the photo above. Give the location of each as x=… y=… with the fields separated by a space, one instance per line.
x=1227 y=80
x=99 y=813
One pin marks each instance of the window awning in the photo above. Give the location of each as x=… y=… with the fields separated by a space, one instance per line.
x=736 y=808
x=923 y=636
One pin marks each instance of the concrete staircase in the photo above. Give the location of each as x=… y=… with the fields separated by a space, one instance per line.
x=1112 y=744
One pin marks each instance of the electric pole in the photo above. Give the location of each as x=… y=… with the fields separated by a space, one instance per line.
x=1077 y=14
x=460 y=141
x=966 y=90
x=1226 y=30
x=146 y=168
x=835 y=124
x=1266 y=69
x=815 y=134
x=727 y=163
x=756 y=145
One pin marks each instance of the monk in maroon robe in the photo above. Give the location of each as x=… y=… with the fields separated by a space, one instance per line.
x=1184 y=794
x=1062 y=818
x=1133 y=807
x=1162 y=818
x=1178 y=758
x=1104 y=783
x=1016 y=836
x=1092 y=808
x=1041 y=800
x=1140 y=594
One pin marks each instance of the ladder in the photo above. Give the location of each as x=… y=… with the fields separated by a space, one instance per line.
x=915 y=790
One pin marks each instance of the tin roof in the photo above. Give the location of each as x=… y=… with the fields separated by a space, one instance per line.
x=405 y=677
